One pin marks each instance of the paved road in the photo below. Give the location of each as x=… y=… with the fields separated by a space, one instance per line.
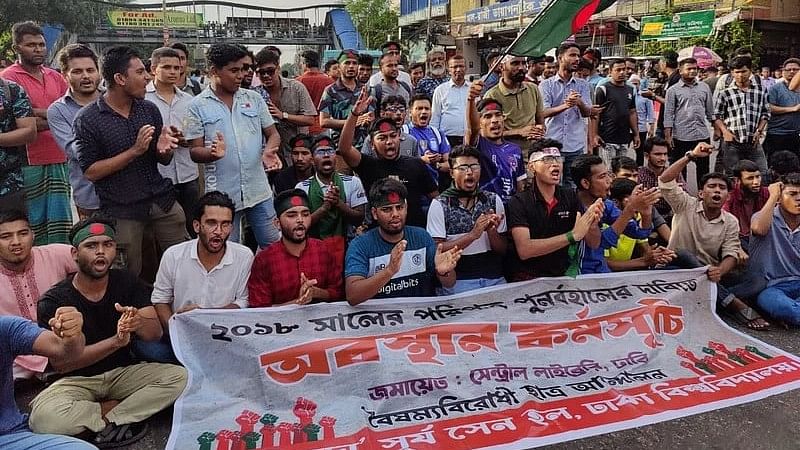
x=770 y=424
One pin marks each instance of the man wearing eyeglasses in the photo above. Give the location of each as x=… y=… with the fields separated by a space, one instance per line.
x=466 y=217
x=206 y=272
x=288 y=100
x=394 y=107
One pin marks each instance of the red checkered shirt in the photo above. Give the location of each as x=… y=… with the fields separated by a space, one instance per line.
x=275 y=276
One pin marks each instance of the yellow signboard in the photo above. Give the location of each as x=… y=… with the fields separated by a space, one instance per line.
x=124 y=18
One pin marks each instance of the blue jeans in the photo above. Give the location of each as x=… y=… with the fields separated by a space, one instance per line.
x=470 y=285
x=154 y=351
x=261 y=219
x=566 y=172
x=782 y=301
x=27 y=440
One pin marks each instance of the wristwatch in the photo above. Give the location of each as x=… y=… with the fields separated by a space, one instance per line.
x=690 y=156
x=285 y=115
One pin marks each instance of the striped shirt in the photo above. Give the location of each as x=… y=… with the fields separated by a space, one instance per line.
x=742 y=110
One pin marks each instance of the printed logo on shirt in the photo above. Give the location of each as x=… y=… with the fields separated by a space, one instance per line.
x=413 y=263
x=512 y=162
x=563 y=214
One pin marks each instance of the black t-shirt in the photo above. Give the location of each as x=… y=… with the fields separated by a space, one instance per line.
x=413 y=174
x=285 y=179
x=618 y=101
x=528 y=209
x=99 y=318
x=671 y=81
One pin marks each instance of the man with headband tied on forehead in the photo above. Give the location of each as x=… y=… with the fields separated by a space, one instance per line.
x=297 y=269
x=390 y=163
x=104 y=390
x=502 y=168
x=395 y=260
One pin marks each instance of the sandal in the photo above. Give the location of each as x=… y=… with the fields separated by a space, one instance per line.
x=113 y=436
x=748 y=317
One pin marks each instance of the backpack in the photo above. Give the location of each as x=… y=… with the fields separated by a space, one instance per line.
x=379 y=92
x=195 y=86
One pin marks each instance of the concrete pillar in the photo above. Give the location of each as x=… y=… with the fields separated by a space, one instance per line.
x=469 y=48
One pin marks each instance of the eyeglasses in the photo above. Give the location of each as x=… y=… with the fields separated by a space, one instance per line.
x=466 y=167
x=270 y=71
x=325 y=152
x=551 y=160
x=394 y=108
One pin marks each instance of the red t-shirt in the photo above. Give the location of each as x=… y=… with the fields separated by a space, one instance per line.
x=315 y=83
x=42 y=94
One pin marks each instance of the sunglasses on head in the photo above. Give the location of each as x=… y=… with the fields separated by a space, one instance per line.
x=269 y=71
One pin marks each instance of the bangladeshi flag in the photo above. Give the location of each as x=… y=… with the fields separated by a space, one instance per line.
x=556 y=22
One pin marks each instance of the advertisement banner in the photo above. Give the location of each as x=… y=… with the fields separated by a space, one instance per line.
x=685 y=24
x=505 y=10
x=120 y=18
x=513 y=367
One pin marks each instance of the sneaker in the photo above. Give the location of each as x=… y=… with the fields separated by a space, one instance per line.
x=113 y=436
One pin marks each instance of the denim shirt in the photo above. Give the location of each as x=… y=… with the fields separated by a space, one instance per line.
x=240 y=173
x=60 y=117
x=567 y=127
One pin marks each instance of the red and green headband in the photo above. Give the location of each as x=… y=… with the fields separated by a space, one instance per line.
x=90 y=230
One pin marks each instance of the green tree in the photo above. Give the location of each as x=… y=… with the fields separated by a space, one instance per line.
x=76 y=15
x=374 y=19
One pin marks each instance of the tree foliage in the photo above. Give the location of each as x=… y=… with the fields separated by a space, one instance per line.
x=374 y=19
x=74 y=15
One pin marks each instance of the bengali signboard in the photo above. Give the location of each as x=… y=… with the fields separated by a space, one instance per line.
x=685 y=24
x=505 y=10
x=122 y=18
x=518 y=366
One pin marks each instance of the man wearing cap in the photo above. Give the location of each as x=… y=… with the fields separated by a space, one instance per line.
x=389 y=162
x=502 y=167
x=206 y=272
x=521 y=101
x=302 y=164
x=104 y=390
x=336 y=201
x=390 y=48
x=467 y=217
x=548 y=224
x=395 y=260
x=394 y=108
x=436 y=73
x=567 y=102
x=536 y=66
x=297 y=269
x=289 y=101
x=339 y=98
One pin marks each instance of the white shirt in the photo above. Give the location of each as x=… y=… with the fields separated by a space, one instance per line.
x=181 y=169
x=182 y=279
x=450 y=108
x=377 y=78
x=353 y=189
x=437 y=227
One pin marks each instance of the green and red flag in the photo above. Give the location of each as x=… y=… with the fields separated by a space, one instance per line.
x=556 y=22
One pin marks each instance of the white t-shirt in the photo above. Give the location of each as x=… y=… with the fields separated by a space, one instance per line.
x=182 y=280
x=377 y=78
x=353 y=190
x=438 y=230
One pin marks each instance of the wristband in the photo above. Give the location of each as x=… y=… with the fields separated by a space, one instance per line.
x=690 y=156
x=570 y=237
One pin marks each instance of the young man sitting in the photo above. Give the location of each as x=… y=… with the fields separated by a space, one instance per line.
x=702 y=228
x=746 y=198
x=775 y=250
x=625 y=167
x=206 y=272
x=621 y=256
x=103 y=390
x=395 y=260
x=465 y=216
x=19 y=337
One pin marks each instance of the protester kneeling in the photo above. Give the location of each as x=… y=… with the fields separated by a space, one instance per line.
x=104 y=390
